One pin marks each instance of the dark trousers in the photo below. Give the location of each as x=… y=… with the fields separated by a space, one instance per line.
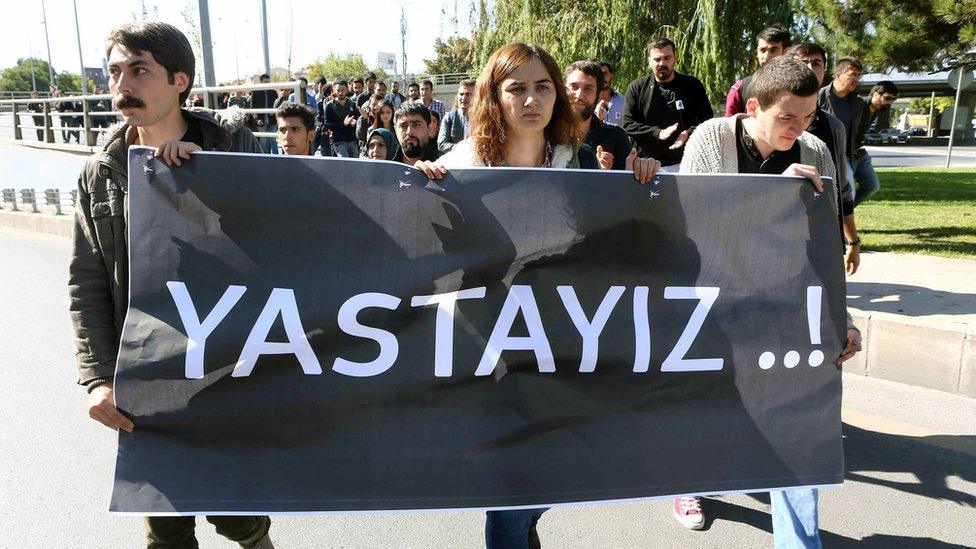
x=39 y=121
x=177 y=532
x=512 y=529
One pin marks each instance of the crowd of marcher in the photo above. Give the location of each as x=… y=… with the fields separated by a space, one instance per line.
x=523 y=110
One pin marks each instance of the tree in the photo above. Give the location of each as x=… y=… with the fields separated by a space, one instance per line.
x=341 y=66
x=909 y=35
x=715 y=38
x=456 y=55
x=921 y=105
x=18 y=78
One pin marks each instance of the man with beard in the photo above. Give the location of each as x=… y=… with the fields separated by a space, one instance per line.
x=340 y=121
x=583 y=81
x=771 y=42
x=151 y=68
x=610 y=108
x=412 y=125
x=454 y=128
x=663 y=108
x=413 y=92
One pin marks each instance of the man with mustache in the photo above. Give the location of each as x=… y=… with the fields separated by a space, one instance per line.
x=584 y=80
x=412 y=125
x=151 y=68
x=663 y=108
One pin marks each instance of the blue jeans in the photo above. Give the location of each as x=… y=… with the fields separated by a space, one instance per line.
x=512 y=529
x=862 y=171
x=795 y=519
x=346 y=149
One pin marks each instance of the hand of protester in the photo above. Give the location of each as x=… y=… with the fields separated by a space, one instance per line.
x=852 y=347
x=172 y=151
x=680 y=141
x=101 y=408
x=433 y=170
x=807 y=171
x=666 y=133
x=852 y=259
x=601 y=110
x=350 y=120
x=605 y=158
x=644 y=168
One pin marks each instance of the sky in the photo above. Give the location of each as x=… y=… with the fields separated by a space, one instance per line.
x=318 y=28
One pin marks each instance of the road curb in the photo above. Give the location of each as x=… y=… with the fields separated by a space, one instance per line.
x=909 y=353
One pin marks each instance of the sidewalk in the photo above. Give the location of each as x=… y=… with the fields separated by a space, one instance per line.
x=917 y=315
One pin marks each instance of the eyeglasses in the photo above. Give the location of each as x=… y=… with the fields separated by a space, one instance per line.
x=889 y=97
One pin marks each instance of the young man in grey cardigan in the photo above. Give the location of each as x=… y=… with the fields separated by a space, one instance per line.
x=770 y=138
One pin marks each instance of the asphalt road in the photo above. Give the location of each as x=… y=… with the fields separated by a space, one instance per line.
x=911 y=458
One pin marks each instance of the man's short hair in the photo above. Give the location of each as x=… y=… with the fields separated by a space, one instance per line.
x=776 y=34
x=783 y=74
x=845 y=64
x=607 y=65
x=357 y=80
x=342 y=83
x=660 y=44
x=369 y=75
x=298 y=111
x=589 y=68
x=807 y=48
x=414 y=85
x=467 y=82
x=265 y=75
x=428 y=83
x=883 y=87
x=378 y=82
x=168 y=46
x=412 y=107
x=322 y=80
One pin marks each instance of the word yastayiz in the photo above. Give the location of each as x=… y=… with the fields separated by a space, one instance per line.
x=519 y=302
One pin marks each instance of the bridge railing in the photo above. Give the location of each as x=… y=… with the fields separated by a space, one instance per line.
x=96 y=115
x=49 y=201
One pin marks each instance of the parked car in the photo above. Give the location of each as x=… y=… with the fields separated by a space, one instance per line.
x=893 y=135
x=872 y=137
x=921 y=132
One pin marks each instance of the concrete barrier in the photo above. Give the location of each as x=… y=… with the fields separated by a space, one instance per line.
x=51 y=225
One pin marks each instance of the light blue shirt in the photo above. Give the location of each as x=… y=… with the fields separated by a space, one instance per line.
x=615 y=108
x=312 y=104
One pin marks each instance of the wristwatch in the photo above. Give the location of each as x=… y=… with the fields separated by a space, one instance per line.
x=855 y=242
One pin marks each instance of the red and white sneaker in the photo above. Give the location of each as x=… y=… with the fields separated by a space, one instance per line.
x=688 y=512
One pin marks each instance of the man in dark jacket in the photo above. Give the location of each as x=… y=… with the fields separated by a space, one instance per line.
x=584 y=80
x=829 y=129
x=840 y=99
x=38 y=120
x=149 y=85
x=454 y=127
x=663 y=108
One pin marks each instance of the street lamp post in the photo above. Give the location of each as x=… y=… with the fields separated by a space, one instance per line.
x=47 y=39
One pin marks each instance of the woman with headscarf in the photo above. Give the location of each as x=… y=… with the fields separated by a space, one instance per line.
x=380 y=144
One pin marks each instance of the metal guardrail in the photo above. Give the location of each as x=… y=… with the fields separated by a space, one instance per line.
x=50 y=201
x=88 y=112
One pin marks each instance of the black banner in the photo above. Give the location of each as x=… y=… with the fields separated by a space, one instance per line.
x=312 y=335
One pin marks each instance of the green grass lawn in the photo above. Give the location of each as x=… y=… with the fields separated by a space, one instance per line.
x=921 y=210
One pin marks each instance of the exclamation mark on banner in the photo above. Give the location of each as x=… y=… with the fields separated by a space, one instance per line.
x=814 y=299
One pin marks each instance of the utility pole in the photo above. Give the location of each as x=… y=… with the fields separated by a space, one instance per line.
x=403 y=42
x=264 y=36
x=47 y=39
x=81 y=60
x=206 y=44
